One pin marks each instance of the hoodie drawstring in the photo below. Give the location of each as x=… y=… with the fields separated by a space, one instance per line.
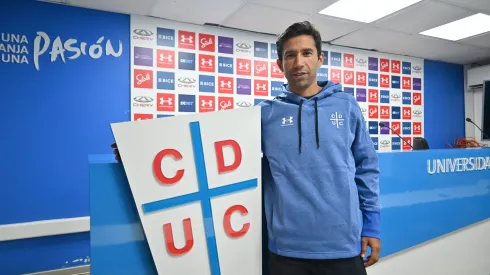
x=316 y=125
x=299 y=124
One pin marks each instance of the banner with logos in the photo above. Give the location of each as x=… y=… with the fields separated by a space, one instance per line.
x=180 y=68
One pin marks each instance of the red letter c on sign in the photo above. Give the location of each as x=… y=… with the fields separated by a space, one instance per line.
x=218 y=146
x=157 y=166
x=227 y=221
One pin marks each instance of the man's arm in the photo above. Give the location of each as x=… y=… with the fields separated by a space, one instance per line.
x=367 y=180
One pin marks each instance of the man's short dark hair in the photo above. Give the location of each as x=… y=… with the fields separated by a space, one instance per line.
x=297 y=29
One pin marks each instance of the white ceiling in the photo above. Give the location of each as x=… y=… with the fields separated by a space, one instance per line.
x=396 y=33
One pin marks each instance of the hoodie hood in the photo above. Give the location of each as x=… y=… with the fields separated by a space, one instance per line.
x=328 y=88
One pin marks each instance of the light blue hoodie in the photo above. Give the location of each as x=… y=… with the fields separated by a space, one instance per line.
x=320 y=169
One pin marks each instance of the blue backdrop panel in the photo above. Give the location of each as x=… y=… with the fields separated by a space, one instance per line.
x=417 y=207
x=57 y=115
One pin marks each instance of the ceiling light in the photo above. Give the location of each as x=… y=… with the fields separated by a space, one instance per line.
x=365 y=11
x=462 y=28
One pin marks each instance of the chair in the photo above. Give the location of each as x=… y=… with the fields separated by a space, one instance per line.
x=420 y=143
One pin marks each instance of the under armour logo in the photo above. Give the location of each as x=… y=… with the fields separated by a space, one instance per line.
x=242 y=66
x=275 y=69
x=205 y=103
x=167 y=58
x=224 y=84
x=406 y=82
x=396 y=66
x=208 y=62
x=183 y=39
x=260 y=86
x=361 y=78
x=385 y=112
x=373 y=95
x=164 y=101
x=287 y=121
x=349 y=60
x=406 y=112
x=335 y=75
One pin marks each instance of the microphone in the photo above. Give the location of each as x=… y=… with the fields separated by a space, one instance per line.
x=471 y=121
x=386 y=126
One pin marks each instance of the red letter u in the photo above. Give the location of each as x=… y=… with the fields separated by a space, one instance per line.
x=169 y=238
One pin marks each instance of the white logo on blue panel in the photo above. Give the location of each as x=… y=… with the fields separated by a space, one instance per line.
x=406 y=68
x=336 y=59
x=207 y=83
x=373 y=128
x=274 y=51
x=395 y=82
x=325 y=58
x=187 y=103
x=395 y=112
x=373 y=80
x=225 y=65
x=276 y=88
x=384 y=96
x=407 y=98
x=322 y=74
x=165 y=80
x=396 y=143
x=165 y=37
x=261 y=49
x=407 y=128
x=187 y=61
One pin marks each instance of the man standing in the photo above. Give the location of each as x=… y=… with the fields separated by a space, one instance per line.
x=320 y=169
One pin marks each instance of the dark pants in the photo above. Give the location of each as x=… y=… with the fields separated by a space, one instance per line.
x=279 y=265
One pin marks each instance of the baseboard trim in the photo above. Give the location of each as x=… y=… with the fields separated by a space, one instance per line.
x=17 y=231
x=79 y=270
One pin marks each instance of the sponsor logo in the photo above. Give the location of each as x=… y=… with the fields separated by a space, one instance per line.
x=244 y=48
x=225 y=65
x=261 y=49
x=348 y=60
x=243 y=67
x=274 y=54
x=395 y=82
x=322 y=74
x=166 y=80
x=395 y=112
x=417 y=128
x=384 y=65
x=373 y=63
x=225 y=103
x=207 y=83
x=385 y=112
x=384 y=144
x=384 y=96
x=396 y=127
x=373 y=111
x=244 y=86
x=206 y=42
x=225 y=45
x=186 y=82
x=373 y=127
x=407 y=113
x=336 y=75
x=277 y=88
x=187 y=61
x=143 y=101
x=406 y=68
x=416 y=69
x=407 y=128
x=187 y=40
x=261 y=68
x=325 y=58
x=384 y=81
x=225 y=85
x=206 y=103
x=407 y=98
x=165 y=37
x=395 y=66
x=165 y=102
x=143 y=34
x=261 y=87
x=275 y=71
x=406 y=83
x=373 y=80
x=207 y=63
x=417 y=99
x=396 y=143
x=385 y=130
x=187 y=103
x=165 y=59
x=143 y=56
x=406 y=142
x=361 y=78
x=348 y=77
x=336 y=59
x=143 y=79
x=373 y=96
x=361 y=95
x=417 y=84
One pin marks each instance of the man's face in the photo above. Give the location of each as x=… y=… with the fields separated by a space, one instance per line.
x=300 y=61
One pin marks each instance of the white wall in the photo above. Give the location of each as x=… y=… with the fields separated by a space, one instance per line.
x=463 y=252
x=474 y=100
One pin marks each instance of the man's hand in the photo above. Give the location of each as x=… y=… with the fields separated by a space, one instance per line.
x=375 y=246
x=116 y=152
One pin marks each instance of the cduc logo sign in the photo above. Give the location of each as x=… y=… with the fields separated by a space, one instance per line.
x=199 y=197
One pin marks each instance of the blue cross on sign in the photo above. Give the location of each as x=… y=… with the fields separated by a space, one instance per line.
x=204 y=195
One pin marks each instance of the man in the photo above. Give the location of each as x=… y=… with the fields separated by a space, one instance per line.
x=319 y=169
